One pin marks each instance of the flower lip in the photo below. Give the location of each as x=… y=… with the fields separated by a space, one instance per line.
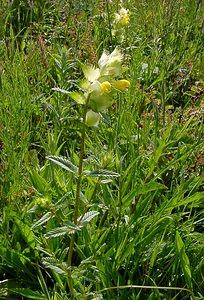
x=106 y=87
x=122 y=85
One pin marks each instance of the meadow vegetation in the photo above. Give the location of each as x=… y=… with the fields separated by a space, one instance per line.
x=101 y=149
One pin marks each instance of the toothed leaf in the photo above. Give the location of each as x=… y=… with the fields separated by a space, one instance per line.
x=78 y=97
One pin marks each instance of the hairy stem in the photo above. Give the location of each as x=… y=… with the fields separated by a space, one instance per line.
x=77 y=198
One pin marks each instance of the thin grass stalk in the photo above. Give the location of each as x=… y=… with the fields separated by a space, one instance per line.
x=163 y=97
x=132 y=286
x=109 y=22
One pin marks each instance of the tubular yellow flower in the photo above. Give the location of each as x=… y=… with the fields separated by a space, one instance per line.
x=122 y=85
x=106 y=87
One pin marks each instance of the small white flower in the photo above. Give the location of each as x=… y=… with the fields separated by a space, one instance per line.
x=156 y=70
x=144 y=66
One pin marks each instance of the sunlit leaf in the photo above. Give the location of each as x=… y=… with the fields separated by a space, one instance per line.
x=55 y=265
x=84 y=85
x=60 y=90
x=60 y=231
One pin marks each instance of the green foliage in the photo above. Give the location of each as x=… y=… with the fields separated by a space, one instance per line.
x=130 y=205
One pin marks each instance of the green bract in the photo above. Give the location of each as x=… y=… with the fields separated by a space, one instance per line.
x=92 y=118
x=100 y=101
x=110 y=65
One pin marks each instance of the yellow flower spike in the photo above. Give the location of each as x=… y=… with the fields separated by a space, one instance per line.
x=106 y=87
x=125 y=20
x=122 y=85
x=122 y=18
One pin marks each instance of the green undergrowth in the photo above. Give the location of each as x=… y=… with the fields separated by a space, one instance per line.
x=139 y=227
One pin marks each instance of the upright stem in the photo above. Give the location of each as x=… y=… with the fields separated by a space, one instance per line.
x=77 y=198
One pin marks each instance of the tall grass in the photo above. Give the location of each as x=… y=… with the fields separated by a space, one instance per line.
x=141 y=234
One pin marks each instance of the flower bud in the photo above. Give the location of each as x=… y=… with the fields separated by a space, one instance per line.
x=107 y=160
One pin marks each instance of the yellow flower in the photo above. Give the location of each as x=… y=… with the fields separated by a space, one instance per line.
x=92 y=118
x=122 y=85
x=106 y=87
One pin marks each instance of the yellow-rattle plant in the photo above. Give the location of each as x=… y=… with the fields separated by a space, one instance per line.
x=96 y=95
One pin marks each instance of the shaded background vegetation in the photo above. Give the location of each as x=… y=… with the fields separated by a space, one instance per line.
x=149 y=231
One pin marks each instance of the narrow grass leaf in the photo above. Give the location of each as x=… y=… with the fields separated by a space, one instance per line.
x=142 y=189
x=26 y=233
x=196 y=197
x=39 y=183
x=185 y=263
x=150 y=187
x=43 y=284
x=29 y=294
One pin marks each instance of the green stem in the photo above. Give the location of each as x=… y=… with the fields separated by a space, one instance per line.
x=77 y=198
